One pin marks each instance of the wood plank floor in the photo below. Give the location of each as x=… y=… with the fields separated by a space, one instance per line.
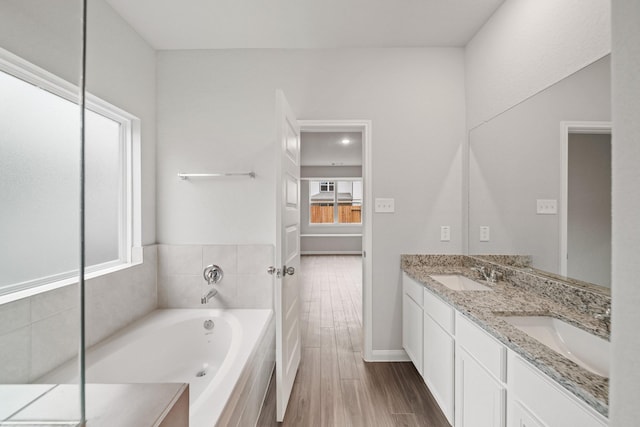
x=334 y=386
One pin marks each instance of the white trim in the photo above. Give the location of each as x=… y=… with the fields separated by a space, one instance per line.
x=364 y=126
x=330 y=252
x=389 y=356
x=331 y=235
x=130 y=223
x=350 y=178
x=566 y=128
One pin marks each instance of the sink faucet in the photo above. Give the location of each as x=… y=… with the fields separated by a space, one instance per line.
x=205 y=298
x=605 y=317
x=488 y=276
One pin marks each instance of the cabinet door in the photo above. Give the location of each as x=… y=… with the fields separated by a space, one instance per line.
x=412 y=330
x=439 y=363
x=520 y=417
x=480 y=398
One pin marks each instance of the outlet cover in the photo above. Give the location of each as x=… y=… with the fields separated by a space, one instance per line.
x=445 y=233
x=484 y=233
x=546 y=207
x=385 y=205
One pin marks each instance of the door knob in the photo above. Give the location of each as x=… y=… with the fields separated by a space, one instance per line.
x=288 y=270
x=273 y=271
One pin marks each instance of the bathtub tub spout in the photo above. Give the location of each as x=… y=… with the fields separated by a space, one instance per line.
x=205 y=298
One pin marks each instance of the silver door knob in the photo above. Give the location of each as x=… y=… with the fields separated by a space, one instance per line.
x=288 y=270
x=273 y=271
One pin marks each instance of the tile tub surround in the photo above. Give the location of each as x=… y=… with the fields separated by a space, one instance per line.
x=509 y=298
x=245 y=284
x=42 y=331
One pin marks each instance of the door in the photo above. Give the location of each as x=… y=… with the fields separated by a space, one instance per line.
x=287 y=292
x=480 y=399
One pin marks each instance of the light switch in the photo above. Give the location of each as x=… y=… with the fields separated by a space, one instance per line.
x=385 y=205
x=445 y=233
x=484 y=233
x=546 y=207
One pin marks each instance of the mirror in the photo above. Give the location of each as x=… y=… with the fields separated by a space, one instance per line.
x=540 y=179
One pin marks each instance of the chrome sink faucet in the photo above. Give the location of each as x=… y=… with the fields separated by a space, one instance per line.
x=491 y=276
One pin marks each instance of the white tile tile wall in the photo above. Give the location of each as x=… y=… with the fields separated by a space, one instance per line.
x=245 y=283
x=42 y=331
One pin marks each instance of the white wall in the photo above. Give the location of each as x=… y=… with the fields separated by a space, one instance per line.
x=625 y=369
x=528 y=45
x=216 y=111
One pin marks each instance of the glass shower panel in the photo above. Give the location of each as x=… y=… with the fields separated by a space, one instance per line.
x=40 y=145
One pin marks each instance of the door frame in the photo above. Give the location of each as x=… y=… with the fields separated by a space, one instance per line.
x=567 y=128
x=363 y=126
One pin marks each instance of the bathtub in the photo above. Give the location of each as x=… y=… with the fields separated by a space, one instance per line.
x=210 y=349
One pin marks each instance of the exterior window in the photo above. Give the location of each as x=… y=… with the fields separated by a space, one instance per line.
x=335 y=202
x=39 y=181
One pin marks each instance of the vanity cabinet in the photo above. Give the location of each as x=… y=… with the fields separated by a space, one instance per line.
x=466 y=370
x=412 y=316
x=480 y=375
x=535 y=400
x=438 y=352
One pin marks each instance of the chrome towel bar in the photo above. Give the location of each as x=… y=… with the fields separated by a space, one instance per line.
x=185 y=176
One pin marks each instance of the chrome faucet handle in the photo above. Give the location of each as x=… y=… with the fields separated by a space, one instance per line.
x=212 y=274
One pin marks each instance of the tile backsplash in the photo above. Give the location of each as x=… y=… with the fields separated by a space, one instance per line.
x=39 y=333
x=245 y=284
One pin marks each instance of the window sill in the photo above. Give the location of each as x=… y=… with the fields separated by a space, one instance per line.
x=46 y=287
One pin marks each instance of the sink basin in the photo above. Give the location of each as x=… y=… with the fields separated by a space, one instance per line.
x=587 y=350
x=458 y=282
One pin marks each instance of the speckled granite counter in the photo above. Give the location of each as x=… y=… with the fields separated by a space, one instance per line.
x=517 y=295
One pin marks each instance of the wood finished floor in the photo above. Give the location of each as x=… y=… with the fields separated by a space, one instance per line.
x=334 y=386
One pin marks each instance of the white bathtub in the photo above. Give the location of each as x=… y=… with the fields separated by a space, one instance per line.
x=169 y=346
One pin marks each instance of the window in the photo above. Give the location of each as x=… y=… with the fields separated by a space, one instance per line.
x=335 y=202
x=39 y=181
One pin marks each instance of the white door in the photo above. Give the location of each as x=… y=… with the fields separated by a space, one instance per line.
x=287 y=292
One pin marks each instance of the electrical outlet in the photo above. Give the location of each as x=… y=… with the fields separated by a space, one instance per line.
x=385 y=205
x=445 y=233
x=546 y=207
x=484 y=233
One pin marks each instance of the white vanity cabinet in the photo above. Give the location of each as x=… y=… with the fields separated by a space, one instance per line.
x=480 y=375
x=535 y=400
x=438 y=351
x=412 y=320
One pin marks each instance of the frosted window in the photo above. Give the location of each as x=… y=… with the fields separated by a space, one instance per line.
x=40 y=185
x=39 y=182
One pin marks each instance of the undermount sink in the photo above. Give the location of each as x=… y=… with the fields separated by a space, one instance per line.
x=458 y=282
x=587 y=350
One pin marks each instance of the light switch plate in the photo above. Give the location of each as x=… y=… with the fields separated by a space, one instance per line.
x=445 y=233
x=385 y=205
x=546 y=207
x=484 y=233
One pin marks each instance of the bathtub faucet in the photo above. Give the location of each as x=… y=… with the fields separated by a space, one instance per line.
x=205 y=298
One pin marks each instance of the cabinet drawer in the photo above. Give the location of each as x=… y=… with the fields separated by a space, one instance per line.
x=489 y=352
x=552 y=405
x=412 y=288
x=439 y=310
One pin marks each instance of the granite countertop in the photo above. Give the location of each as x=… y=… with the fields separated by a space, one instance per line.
x=484 y=308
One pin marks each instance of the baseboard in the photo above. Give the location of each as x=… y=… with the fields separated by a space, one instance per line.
x=389 y=356
x=330 y=252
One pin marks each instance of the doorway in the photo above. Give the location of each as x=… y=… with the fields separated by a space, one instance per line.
x=336 y=212
x=586 y=202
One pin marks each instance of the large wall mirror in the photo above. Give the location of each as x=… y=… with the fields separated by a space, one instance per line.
x=540 y=179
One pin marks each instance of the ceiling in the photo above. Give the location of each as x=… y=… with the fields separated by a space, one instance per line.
x=305 y=24
x=327 y=149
